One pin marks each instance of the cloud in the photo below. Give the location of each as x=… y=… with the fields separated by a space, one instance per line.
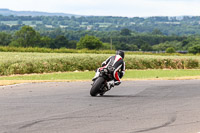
x=136 y=7
x=129 y=8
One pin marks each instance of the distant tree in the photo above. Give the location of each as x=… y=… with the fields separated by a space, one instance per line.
x=72 y=44
x=26 y=37
x=90 y=42
x=20 y=22
x=127 y=47
x=46 y=42
x=133 y=47
x=170 y=50
x=185 y=42
x=139 y=42
x=163 y=46
x=33 y=22
x=160 y=47
x=60 y=41
x=56 y=32
x=125 y=32
x=194 y=49
x=146 y=47
x=107 y=46
x=157 y=32
x=5 y=38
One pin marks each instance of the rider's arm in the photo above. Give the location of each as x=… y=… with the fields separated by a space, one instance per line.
x=106 y=62
x=122 y=71
x=121 y=74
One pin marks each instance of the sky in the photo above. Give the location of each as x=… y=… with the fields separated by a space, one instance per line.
x=125 y=8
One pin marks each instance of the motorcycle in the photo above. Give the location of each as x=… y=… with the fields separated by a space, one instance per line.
x=99 y=85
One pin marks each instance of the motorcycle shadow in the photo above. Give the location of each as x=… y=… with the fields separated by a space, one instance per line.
x=125 y=96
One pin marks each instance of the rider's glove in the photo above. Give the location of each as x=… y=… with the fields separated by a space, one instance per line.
x=103 y=64
x=121 y=74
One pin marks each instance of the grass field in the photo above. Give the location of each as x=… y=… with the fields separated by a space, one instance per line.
x=27 y=63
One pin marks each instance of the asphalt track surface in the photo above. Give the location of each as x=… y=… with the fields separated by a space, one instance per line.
x=133 y=107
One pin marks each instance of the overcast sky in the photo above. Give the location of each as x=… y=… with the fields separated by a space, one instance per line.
x=130 y=8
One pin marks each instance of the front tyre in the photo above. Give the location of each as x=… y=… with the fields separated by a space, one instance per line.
x=98 y=84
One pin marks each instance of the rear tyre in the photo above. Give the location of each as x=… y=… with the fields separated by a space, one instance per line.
x=97 y=86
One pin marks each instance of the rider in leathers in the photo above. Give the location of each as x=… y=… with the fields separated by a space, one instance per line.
x=118 y=63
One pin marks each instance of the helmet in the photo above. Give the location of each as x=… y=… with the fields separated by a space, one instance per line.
x=121 y=53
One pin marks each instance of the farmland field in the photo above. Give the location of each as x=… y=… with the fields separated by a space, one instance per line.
x=22 y=63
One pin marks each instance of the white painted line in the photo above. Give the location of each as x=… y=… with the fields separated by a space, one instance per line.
x=13 y=85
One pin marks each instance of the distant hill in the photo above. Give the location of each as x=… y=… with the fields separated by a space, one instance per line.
x=167 y=25
x=7 y=12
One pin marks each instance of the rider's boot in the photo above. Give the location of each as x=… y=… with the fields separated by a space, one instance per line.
x=110 y=84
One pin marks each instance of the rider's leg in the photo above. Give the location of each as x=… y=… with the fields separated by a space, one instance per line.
x=117 y=80
x=114 y=82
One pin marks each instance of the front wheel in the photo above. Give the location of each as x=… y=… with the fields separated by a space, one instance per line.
x=98 y=84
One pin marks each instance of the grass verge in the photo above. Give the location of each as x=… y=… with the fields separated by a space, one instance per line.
x=87 y=76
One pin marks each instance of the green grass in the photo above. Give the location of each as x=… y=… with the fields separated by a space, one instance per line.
x=130 y=74
x=148 y=74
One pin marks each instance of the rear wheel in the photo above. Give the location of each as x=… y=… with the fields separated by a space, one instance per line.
x=98 y=84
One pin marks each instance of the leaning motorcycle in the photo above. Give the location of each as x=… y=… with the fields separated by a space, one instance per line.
x=99 y=85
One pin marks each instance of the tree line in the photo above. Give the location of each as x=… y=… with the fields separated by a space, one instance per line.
x=124 y=39
x=185 y=25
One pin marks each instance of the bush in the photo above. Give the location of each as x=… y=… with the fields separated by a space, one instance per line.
x=170 y=50
x=89 y=42
x=22 y=63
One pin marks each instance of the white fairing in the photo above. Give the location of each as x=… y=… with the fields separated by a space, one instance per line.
x=97 y=74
